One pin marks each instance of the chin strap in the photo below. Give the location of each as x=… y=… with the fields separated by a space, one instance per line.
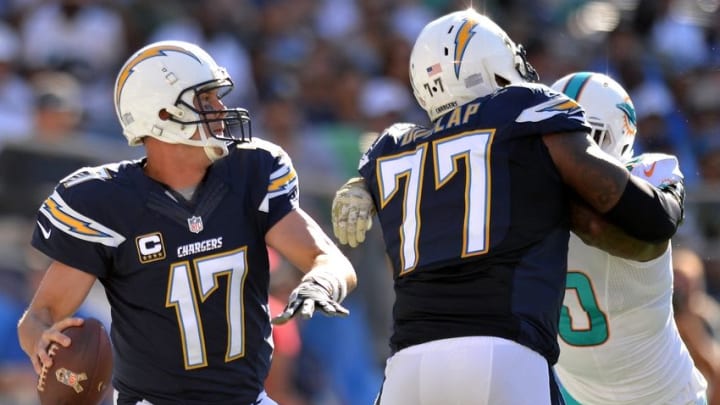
x=215 y=152
x=215 y=148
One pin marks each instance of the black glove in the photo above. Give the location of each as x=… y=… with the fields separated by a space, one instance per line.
x=677 y=190
x=308 y=295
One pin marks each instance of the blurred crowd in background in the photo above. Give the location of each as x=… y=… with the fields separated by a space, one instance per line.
x=322 y=78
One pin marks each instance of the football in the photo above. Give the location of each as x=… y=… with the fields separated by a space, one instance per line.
x=80 y=374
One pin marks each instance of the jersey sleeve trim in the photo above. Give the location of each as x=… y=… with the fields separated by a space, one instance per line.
x=282 y=181
x=71 y=222
x=550 y=108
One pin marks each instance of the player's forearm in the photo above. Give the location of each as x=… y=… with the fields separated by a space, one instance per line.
x=647 y=213
x=616 y=242
x=595 y=231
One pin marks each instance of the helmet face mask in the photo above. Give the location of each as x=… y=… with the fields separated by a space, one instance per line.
x=462 y=56
x=609 y=110
x=235 y=122
x=159 y=93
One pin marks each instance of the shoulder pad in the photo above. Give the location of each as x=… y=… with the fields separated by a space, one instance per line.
x=544 y=103
x=273 y=150
x=258 y=143
x=95 y=174
x=392 y=134
x=398 y=130
x=657 y=168
x=535 y=109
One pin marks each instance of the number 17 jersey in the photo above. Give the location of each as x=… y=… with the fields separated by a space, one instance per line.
x=187 y=281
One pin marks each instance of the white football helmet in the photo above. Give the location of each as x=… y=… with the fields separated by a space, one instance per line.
x=156 y=94
x=462 y=56
x=608 y=108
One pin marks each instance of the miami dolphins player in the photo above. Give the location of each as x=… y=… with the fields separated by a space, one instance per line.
x=179 y=240
x=474 y=214
x=618 y=340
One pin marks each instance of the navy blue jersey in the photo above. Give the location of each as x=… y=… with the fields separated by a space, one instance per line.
x=475 y=219
x=187 y=281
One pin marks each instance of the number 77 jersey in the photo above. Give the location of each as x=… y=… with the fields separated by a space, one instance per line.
x=474 y=218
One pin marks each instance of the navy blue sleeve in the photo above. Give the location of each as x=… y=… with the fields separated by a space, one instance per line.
x=540 y=110
x=70 y=228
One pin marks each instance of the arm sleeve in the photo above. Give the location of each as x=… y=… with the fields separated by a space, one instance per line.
x=648 y=213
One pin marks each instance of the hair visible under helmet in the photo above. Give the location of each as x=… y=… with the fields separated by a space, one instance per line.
x=608 y=109
x=156 y=95
x=462 y=56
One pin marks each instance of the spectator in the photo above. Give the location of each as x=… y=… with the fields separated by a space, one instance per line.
x=698 y=317
x=56 y=146
x=317 y=55
x=86 y=38
x=16 y=104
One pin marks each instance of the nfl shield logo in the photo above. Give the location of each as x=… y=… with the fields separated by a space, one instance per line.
x=195 y=224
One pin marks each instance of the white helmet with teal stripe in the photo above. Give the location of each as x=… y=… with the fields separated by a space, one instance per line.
x=608 y=108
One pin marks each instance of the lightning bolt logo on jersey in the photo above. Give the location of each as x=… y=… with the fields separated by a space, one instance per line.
x=449 y=201
x=189 y=308
x=59 y=213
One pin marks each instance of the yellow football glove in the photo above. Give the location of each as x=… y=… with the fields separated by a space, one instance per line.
x=352 y=211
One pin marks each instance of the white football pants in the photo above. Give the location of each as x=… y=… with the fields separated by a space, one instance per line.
x=476 y=370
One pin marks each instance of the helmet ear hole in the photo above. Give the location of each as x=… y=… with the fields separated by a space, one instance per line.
x=501 y=81
x=164 y=114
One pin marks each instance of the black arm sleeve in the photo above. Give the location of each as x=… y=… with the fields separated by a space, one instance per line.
x=648 y=213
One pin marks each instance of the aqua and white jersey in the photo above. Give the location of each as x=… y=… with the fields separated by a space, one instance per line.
x=618 y=340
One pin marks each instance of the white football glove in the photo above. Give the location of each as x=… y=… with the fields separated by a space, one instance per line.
x=319 y=289
x=352 y=211
x=662 y=171
x=658 y=169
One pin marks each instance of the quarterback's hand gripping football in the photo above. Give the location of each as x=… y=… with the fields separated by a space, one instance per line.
x=352 y=211
x=306 y=297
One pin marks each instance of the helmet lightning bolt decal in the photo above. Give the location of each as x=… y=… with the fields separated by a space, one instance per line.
x=141 y=56
x=462 y=39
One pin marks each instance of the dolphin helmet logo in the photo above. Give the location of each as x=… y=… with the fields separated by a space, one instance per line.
x=630 y=117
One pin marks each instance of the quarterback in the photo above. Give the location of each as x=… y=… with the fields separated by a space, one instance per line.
x=179 y=241
x=474 y=212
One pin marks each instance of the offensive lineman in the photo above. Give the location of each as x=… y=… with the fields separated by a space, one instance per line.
x=474 y=215
x=179 y=241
